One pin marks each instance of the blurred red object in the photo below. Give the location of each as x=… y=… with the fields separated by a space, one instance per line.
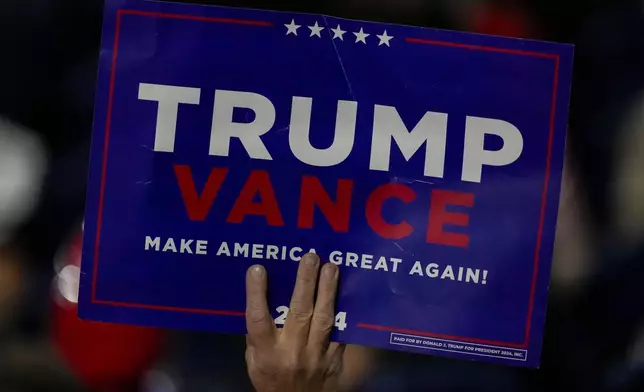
x=105 y=356
x=496 y=20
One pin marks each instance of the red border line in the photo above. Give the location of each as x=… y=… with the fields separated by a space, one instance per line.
x=170 y=308
x=544 y=197
x=194 y=17
x=108 y=125
x=360 y=325
x=482 y=48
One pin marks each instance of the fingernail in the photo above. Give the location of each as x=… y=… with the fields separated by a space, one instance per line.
x=257 y=271
x=331 y=271
x=311 y=260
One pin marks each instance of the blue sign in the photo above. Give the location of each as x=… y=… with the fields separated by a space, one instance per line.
x=427 y=164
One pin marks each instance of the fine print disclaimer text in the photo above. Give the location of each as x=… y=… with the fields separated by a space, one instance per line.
x=434 y=344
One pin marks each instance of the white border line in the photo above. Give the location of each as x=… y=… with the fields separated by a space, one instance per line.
x=458 y=342
x=525 y=359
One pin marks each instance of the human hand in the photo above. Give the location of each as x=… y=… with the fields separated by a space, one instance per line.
x=298 y=358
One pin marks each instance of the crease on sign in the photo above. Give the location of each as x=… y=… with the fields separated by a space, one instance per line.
x=337 y=53
x=396 y=285
x=400 y=248
x=409 y=180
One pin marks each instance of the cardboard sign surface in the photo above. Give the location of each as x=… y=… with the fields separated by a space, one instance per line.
x=425 y=163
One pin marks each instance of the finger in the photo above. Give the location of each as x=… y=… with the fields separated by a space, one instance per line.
x=250 y=353
x=298 y=322
x=336 y=350
x=334 y=357
x=259 y=322
x=323 y=314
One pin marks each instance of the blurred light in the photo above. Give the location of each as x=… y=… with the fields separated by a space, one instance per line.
x=22 y=168
x=67 y=283
x=158 y=381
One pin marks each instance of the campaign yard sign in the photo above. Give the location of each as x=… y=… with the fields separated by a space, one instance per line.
x=425 y=163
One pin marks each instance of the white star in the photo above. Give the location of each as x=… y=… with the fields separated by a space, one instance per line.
x=292 y=27
x=384 y=38
x=361 y=36
x=338 y=33
x=315 y=30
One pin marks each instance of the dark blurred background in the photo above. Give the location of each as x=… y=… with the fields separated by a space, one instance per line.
x=595 y=330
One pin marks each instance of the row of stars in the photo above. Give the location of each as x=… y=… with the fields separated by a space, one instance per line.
x=338 y=33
